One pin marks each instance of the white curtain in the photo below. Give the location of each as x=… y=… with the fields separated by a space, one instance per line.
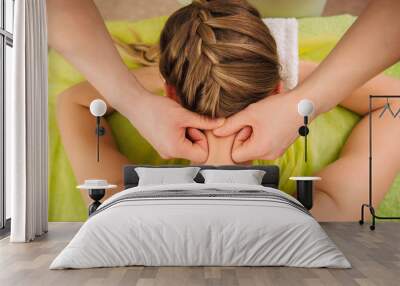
x=26 y=123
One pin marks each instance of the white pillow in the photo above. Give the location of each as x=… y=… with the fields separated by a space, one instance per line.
x=248 y=177
x=163 y=176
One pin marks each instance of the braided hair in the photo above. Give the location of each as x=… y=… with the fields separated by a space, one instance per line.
x=219 y=56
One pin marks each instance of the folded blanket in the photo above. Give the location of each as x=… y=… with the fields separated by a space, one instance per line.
x=285 y=34
x=205 y=194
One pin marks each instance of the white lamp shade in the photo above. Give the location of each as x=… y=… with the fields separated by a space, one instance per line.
x=305 y=107
x=98 y=107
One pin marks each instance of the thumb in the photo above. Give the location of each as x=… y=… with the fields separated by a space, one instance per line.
x=194 y=120
x=243 y=149
x=232 y=125
x=243 y=134
x=195 y=152
x=197 y=137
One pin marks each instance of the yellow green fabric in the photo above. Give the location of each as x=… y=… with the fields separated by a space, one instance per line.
x=317 y=36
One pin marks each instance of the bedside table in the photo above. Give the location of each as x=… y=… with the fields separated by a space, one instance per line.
x=305 y=188
x=97 y=190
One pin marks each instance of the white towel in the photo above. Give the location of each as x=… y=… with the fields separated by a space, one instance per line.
x=285 y=33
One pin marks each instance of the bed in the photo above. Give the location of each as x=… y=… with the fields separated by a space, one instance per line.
x=201 y=224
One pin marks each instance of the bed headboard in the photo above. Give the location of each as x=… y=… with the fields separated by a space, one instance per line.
x=270 y=179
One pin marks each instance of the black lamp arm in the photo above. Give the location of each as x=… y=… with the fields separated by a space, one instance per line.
x=100 y=131
x=303 y=131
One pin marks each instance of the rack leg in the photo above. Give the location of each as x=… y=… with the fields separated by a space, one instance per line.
x=361 y=221
x=372 y=226
x=373 y=216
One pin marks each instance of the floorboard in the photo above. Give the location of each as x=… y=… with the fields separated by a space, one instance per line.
x=374 y=255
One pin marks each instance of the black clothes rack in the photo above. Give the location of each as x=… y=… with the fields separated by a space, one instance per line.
x=370 y=205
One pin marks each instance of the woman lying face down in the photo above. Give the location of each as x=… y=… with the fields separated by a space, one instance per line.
x=217 y=58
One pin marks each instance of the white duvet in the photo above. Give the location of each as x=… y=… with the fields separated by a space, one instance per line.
x=188 y=231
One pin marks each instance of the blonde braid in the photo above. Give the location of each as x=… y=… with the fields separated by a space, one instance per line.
x=146 y=55
x=219 y=55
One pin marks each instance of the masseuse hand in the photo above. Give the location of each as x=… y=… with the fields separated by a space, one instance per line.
x=273 y=121
x=77 y=31
x=167 y=126
x=371 y=45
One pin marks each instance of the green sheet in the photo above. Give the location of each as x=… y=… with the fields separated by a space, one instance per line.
x=317 y=36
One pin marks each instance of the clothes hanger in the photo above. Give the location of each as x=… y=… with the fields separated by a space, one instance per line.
x=397 y=113
x=387 y=107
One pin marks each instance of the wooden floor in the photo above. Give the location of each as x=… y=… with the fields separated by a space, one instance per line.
x=375 y=257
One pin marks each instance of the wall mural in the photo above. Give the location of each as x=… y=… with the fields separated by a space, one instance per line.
x=337 y=142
